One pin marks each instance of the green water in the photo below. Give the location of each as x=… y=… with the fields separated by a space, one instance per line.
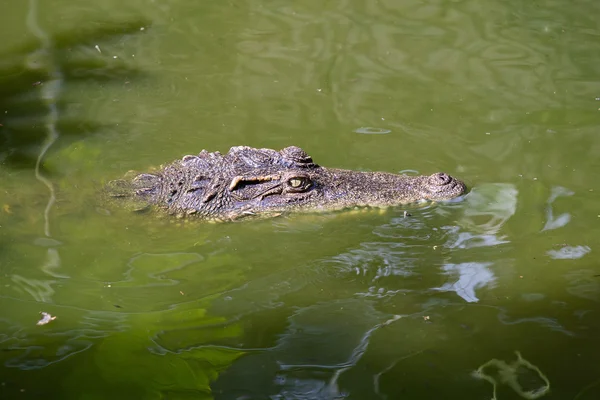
x=502 y=94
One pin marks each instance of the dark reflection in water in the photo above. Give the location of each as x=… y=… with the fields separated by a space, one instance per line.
x=303 y=363
x=375 y=320
x=33 y=77
x=386 y=286
x=394 y=285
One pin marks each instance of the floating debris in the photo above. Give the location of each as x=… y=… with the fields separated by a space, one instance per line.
x=46 y=318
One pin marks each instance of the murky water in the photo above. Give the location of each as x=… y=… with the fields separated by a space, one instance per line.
x=495 y=295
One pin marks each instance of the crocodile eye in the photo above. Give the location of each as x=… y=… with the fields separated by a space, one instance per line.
x=298 y=183
x=295 y=183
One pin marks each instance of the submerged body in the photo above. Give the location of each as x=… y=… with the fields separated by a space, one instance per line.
x=264 y=182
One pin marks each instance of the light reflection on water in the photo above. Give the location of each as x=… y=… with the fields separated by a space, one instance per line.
x=301 y=363
x=391 y=280
x=471 y=276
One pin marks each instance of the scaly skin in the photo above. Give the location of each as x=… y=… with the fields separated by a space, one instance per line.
x=264 y=182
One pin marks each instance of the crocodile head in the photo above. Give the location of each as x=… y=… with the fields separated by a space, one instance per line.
x=263 y=182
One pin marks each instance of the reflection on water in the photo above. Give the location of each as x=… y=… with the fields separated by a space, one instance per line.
x=569 y=252
x=523 y=377
x=488 y=208
x=471 y=276
x=321 y=340
x=584 y=283
x=553 y=222
x=303 y=363
x=40 y=290
x=153 y=269
x=549 y=323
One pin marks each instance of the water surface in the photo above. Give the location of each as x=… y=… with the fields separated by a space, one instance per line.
x=496 y=294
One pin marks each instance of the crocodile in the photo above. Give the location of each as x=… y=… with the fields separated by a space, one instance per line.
x=249 y=182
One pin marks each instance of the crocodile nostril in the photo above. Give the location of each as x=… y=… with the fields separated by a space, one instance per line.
x=440 y=179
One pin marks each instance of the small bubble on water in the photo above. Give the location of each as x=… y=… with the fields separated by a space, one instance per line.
x=367 y=130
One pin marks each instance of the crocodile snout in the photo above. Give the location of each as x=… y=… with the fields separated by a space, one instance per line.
x=444 y=187
x=440 y=179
